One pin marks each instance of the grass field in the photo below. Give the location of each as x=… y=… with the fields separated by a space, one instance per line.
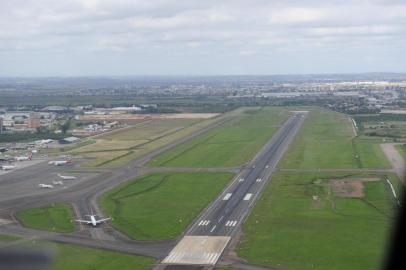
x=118 y=148
x=327 y=140
x=7 y=238
x=324 y=141
x=57 y=217
x=66 y=257
x=301 y=223
x=100 y=158
x=230 y=145
x=81 y=258
x=161 y=206
x=370 y=154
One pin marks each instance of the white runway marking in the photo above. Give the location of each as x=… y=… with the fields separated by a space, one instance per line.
x=204 y=223
x=241 y=179
x=247 y=196
x=259 y=179
x=228 y=195
x=199 y=250
x=231 y=223
x=212 y=229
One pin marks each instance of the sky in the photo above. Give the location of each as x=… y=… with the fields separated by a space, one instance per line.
x=210 y=37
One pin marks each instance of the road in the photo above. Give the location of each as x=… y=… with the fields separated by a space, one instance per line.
x=209 y=235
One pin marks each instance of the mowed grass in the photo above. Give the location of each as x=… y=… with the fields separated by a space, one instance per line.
x=67 y=257
x=100 y=158
x=8 y=238
x=122 y=146
x=288 y=229
x=230 y=145
x=81 y=258
x=56 y=217
x=324 y=141
x=369 y=152
x=161 y=206
x=327 y=140
x=151 y=129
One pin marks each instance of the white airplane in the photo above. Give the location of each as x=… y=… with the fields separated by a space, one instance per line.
x=93 y=221
x=67 y=177
x=45 y=186
x=59 y=162
x=57 y=183
x=7 y=167
x=23 y=158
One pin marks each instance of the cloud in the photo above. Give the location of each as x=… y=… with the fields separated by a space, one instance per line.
x=167 y=29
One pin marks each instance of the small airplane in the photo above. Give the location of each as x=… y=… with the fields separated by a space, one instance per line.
x=93 y=221
x=67 y=177
x=7 y=167
x=23 y=158
x=57 y=183
x=45 y=186
x=59 y=162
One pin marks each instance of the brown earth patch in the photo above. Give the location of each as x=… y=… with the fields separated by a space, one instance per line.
x=350 y=187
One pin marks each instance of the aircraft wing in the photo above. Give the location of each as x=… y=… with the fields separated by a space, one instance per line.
x=83 y=221
x=102 y=220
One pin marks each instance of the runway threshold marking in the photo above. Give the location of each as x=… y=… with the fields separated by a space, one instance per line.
x=197 y=250
x=231 y=223
x=204 y=223
x=227 y=196
x=247 y=196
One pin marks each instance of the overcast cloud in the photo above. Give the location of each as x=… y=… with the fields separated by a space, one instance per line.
x=185 y=37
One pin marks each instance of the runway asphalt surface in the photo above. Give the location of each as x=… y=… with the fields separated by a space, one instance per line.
x=19 y=190
x=228 y=211
x=207 y=238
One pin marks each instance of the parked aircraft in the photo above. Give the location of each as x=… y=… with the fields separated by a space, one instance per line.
x=67 y=177
x=93 y=221
x=23 y=158
x=57 y=183
x=45 y=186
x=59 y=162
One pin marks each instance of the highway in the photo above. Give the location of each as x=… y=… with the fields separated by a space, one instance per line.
x=208 y=236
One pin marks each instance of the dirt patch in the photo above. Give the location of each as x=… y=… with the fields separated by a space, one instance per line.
x=350 y=187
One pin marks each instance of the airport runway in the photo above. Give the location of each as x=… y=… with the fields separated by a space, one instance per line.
x=213 y=229
x=206 y=239
x=19 y=190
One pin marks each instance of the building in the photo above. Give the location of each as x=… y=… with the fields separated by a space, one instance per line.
x=34 y=120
